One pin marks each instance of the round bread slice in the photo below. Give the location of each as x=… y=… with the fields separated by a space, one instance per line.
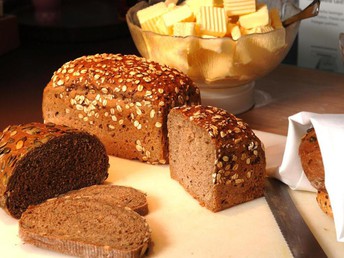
x=114 y=195
x=85 y=228
x=40 y=161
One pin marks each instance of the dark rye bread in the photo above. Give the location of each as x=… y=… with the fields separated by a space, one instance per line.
x=123 y=99
x=40 y=161
x=85 y=228
x=311 y=160
x=215 y=156
x=114 y=195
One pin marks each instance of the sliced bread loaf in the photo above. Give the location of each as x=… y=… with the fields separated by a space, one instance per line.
x=85 y=228
x=40 y=161
x=215 y=156
x=113 y=195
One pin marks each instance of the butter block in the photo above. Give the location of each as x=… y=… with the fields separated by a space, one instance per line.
x=150 y=18
x=184 y=29
x=199 y=3
x=151 y=12
x=255 y=19
x=195 y=5
x=260 y=29
x=167 y=2
x=233 y=30
x=178 y=14
x=239 y=7
x=212 y=21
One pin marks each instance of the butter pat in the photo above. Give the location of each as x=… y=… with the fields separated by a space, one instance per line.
x=199 y=3
x=233 y=30
x=239 y=7
x=261 y=29
x=150 y=18
x=184 y=29
x=212 y=21
x=178 y=14
x=195 y=5
x=255 y=19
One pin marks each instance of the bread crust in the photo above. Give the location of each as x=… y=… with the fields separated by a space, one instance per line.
x=311 y=160
x=227 y=163
x=39 y=161
x=123 y=99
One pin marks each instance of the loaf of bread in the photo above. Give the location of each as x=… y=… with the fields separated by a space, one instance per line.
x=215 y=156
x=114 y=195
x=85 y=228
x=313 y=167
x=123 y=99
x=40 y=161
x=311 y=160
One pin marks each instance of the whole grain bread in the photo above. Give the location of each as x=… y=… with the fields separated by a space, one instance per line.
x=40 y=161
x=123 y=99
x=85 y=228
x=215 y=156
x=114 y=195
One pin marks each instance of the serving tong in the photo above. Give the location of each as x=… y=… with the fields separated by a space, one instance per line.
x=310 y=11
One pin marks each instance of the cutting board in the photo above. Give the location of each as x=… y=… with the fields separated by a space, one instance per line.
x=182 y=228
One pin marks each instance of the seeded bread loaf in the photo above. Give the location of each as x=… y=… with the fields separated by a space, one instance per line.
x=114 y=195
x=85 y=228
x=215 y=156
x=123 y=99
x=40 y=161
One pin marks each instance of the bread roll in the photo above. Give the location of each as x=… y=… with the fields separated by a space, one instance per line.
x=311 y=160
x=215 y=156
x=123 y=99
x=313 y=167
x=85 y=228
x=41 y=161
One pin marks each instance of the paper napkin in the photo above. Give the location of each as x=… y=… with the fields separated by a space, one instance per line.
x=329 y=129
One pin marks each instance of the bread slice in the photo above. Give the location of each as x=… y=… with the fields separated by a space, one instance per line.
x=41 y=161
x=113 y=195
x=85 y=228
x=215 y=156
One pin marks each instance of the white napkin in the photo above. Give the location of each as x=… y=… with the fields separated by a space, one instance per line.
x=330 y=133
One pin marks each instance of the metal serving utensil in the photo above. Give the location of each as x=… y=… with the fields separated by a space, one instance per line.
x=310 y=11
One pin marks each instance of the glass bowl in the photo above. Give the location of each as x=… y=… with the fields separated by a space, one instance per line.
x=225 y=70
